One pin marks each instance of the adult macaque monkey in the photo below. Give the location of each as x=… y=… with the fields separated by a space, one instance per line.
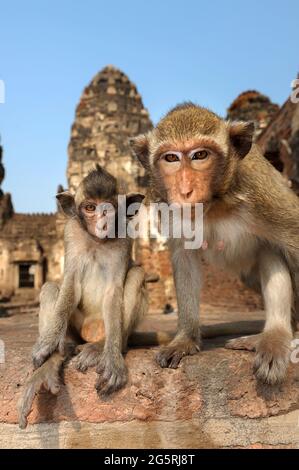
x=251 y=226
x=100 y=282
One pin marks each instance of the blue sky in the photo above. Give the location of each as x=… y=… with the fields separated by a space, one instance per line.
x=206 y=51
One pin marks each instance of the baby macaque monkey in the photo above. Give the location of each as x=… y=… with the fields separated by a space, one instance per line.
x=100 y=281
x=250 y=225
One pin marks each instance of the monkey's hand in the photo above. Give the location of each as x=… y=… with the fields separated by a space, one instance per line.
x=171 y=355
x=44 y=347
x=89 y=355
x=47 y=376
x=112 y=372
x=272 y=356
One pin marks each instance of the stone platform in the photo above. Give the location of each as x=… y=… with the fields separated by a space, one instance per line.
x=211 y=401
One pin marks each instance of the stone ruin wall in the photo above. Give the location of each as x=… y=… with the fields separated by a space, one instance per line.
x=280 y=141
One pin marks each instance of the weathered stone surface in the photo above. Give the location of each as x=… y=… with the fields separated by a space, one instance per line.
x=211 y=400
x=247 y=398
x=148 y=396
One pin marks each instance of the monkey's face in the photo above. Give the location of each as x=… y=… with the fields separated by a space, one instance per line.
x=97 y=205
x=98 y=217
x=192 y=154
x=186 y=171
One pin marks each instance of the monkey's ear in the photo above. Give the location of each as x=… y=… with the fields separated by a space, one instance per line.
x=67 y=203
x=241 y=136
x=133 y=198
x=140 y=148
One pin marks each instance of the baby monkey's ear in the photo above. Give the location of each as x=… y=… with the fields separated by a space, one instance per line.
x=67 y=203
x=133 y=203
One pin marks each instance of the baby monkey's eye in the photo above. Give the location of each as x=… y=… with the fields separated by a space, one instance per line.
x=171 y=157
x=90 y=207
x=200 y=155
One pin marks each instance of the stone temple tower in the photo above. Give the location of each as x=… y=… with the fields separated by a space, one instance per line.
x=109 y=112
x=253 y=106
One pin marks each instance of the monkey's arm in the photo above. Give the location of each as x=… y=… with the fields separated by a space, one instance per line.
x=187 y=276
x=112 y=368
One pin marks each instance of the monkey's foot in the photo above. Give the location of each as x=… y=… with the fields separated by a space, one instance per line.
x=272 y=357
x=89 y=355
x=113 y=374
x=171 y=355
x=47 y=376
x=248 y=343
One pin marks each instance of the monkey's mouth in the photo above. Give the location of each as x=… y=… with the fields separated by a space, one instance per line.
x=102 y=230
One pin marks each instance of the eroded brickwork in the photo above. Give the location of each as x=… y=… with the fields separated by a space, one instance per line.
x=109 y=112
x=253 y=106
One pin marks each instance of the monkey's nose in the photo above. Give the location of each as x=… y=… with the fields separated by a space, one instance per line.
x=187 y=194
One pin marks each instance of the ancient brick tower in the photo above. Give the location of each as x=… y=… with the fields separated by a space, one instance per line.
x=109 y=112
x=253 y=106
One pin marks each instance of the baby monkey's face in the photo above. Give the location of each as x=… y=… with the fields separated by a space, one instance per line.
x=99 y=217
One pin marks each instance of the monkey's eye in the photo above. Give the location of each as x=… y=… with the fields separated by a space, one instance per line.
x=171 y=157
x=90 y=207
x=200 y=155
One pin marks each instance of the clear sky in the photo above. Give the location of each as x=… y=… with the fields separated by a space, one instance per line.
x=173 y=50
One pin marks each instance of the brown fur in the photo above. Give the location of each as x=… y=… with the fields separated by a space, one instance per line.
x=100 y=283
x=248 y=209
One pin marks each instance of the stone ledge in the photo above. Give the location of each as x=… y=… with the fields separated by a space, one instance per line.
x=211 y=400
x=275 y=432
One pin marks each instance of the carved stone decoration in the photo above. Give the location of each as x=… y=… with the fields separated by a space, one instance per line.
x=109 y=112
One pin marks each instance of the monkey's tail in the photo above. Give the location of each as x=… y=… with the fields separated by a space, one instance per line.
x=47 y=376
x=157 y=338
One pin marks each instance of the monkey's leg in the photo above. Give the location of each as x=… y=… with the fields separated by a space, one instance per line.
x=187 y=276
x=46 y=376
x=56 y=306
x=112 y=369
x=48 y=297
x=274 y=345
x=135 y=305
